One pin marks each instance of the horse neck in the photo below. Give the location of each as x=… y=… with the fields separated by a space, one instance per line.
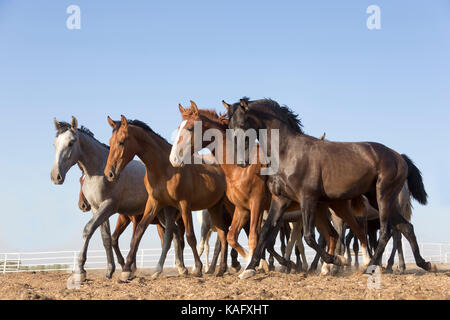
x=284 y=132
x=154 y=153
x=93 y=155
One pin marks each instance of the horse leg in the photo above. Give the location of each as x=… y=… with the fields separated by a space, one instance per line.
x=340 y=227
x=170 y=214
x=290 y=245
x=186 y=214
x=216 y=253
x=122 y=222
x=301 y=248
x=178 y=245
x=331 y=236
x=407 y=229
x=204 y=239
x=152 y=208
x=395 y=234
x=218 y=219
x=107 y=243
x=235 y=265
x=344 y=211
x=240 y=217
x=356 y=252
x=348 y=240
x=316 y=259
x=277 y=208
x=309 y=209
x=105 y=210
x=256 y=213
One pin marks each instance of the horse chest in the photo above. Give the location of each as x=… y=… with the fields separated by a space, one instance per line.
x=94 y=189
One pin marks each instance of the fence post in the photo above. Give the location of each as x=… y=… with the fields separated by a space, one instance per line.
x=4 y=264
x=18 y=263
x=74 y=260
x=142 y=258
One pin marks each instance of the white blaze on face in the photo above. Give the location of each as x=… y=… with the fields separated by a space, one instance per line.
x=61 y=143
x=175 y=158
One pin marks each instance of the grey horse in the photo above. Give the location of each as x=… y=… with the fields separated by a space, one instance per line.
x=127 y=196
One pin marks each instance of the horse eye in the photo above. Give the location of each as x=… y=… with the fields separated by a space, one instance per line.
x=122 y=143
x=70 y=143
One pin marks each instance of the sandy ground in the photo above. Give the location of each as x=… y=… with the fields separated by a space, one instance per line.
x=415 y=284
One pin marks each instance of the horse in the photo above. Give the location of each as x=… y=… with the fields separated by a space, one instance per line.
x=167 y=186
x=206 y=228
x=122 y=222
x=313 y=171
x=245 y=187
x=127 y=195
x=405 y=209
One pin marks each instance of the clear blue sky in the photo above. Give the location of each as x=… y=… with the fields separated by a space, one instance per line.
x=142 y=58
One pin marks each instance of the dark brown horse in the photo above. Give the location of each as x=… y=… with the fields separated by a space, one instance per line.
x=246 y=188
x=194 y=187
x=312 y=171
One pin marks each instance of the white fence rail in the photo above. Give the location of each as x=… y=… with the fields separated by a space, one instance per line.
x=148 y=258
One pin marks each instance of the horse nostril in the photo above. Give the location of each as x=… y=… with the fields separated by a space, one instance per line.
x=111 y=175
x=59 y=178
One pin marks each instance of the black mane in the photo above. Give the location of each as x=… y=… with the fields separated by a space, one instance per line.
x=145 y=126
x=64 y=126
x=268 y=108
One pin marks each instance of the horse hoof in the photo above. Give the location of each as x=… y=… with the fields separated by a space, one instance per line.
x=125 y=276
x=247 y=274
x=235 y=269
x=283 y=269
x=325 y=270
x=342 y=260
x=264 y=266
x=197 y=272
x=155 y=275
x=211 y=271
x=79 y=277
x=220 y=273
x=433 y=267
x=182 y=271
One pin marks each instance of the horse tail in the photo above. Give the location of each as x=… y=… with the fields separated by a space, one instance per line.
x=415 y=182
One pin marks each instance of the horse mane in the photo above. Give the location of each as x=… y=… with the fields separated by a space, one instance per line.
x=268 y=109
x=212 y=116
x=64 y=126
x=143 y=125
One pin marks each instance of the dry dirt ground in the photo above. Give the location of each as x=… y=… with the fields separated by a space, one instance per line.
x=415 y=284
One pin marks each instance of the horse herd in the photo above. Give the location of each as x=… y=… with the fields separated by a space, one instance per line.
x=332 y=186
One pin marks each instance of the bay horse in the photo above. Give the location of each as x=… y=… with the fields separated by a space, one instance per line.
x=127 y=195
x=245 y=187
x=313 y=171
x=188 y=188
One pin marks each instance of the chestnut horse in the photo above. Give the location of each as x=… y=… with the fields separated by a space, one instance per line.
x=312 y=171
x=246 y=188
x=188 y=188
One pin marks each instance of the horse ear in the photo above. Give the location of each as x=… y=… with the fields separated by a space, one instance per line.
x=111 y=122
x=123 y=121
x=57 y=125
x=323 y=136
x=244 y=104
x=194 y=107
x=226 y=105
x=180 y=107
x=74 y=123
